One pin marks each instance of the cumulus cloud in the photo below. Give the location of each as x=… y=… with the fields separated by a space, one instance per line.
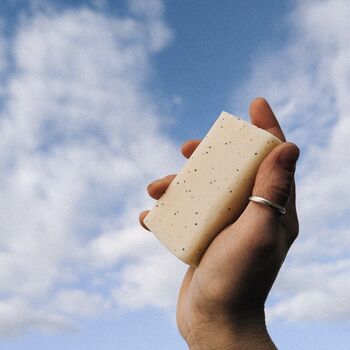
x=16 y=316
x=80 y=138
x=307 y=82
x=313 y=300
x=162 y=270
x=158 y=33
x=79 y=303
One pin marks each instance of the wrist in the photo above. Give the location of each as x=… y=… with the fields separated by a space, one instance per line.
x=218 y=333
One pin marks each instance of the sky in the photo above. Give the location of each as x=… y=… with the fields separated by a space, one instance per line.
x=96 y=98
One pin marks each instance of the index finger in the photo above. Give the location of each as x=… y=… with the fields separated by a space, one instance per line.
x=262 y=116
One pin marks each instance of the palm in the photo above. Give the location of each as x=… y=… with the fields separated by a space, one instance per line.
x=227 y=276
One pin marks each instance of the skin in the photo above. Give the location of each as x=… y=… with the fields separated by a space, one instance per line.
x=221 y=301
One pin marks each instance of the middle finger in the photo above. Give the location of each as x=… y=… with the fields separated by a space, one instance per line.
x=158 y=187
x=188 y=147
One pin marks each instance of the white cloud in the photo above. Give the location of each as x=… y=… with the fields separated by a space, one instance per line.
x=3 y=61
x=151 y=8
x=314 y=300
x=16 y=316
x=108 y=248
x=80 y=139
x=307 y=82
x=158 y=34
x=154 y=281
x=81 y=136
x=78 y=302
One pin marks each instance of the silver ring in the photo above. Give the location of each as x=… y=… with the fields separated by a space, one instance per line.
x=270 y=204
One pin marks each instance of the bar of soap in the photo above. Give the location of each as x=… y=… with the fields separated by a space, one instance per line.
x=212 y=188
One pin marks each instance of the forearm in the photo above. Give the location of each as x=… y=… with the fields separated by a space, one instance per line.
x=221 y=341
x=215 y=335
x=225 y=340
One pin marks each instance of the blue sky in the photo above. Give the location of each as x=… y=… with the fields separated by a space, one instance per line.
x=96 y=98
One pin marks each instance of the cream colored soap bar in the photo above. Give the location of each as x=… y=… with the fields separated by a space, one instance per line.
x=212 y=188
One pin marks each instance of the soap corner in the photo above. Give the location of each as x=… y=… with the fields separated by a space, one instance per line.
x=226 y=114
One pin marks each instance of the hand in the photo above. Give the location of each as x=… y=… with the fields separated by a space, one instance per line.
x=221 y=302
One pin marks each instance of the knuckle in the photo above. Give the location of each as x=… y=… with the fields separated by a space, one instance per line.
x=293 y=235
x=293 y=232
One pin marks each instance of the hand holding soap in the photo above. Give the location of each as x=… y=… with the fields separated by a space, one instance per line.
x=212 y=188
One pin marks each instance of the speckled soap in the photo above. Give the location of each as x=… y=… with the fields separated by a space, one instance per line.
x=212 y=188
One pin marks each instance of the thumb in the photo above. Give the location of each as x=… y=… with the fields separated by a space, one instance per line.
x=274 y=180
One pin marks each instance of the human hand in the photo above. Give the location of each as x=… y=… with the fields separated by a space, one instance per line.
x=221 y=301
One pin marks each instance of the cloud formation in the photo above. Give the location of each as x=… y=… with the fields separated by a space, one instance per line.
x=307 y=82
x=80 y=138
x=81 y=135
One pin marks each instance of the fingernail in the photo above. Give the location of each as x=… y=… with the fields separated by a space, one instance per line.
x=288 y=157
